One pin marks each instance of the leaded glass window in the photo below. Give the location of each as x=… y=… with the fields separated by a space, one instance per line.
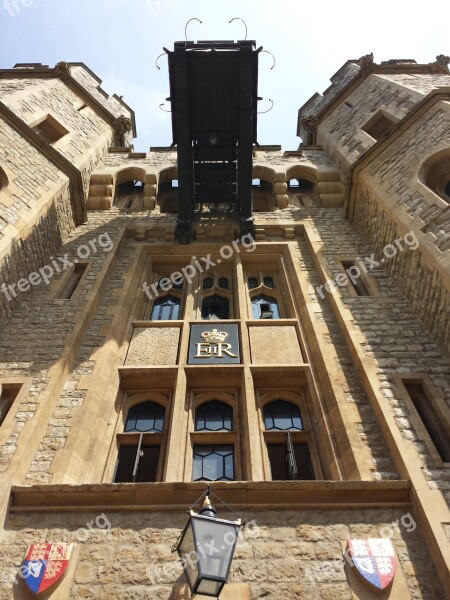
x=146 y=417
x=215 y=307
x=214 y=416
x=208 y=283
x=166 y=309
x=265 y=307
x=282 y=416
x=213 y=463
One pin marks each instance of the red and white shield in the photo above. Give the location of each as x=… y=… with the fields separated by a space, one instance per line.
x=374 y=560
x=44 y=566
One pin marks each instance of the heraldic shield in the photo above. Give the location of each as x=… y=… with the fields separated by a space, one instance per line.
x=44 y=566
x=374 y=561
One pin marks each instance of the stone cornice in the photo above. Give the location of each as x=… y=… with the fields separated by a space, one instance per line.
x=60 y=161
x=242 y=495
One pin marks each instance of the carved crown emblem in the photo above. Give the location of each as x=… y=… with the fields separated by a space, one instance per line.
x=214 y=336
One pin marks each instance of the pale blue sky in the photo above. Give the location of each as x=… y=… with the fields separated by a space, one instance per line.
x=120 y=40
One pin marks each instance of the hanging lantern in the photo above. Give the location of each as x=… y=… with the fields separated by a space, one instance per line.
x=206 y=549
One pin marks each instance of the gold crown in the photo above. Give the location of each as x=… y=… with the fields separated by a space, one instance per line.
x=214 y=336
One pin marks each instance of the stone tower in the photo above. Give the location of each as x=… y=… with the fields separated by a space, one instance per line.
x=316 y=402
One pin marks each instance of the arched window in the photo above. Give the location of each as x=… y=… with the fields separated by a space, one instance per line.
x=215 y=307
x=435 y=174
x=166 y=309
x=140 y=444
x=302 y=185
x=289 y=459
x=264 y=307
x=208 y=283
x=252 y=283
x=214 y=416
x=145 y=418
x=223 y=283
x=164 y=286
x=447 y=189
x=268 y=282
x=282 y=416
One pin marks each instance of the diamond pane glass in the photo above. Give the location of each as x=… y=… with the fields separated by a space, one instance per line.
x=213 y=463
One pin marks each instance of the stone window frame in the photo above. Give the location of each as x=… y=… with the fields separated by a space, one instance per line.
x=233 y=438
x=380 y=114
x=229 y=272
x=263 y=290
x=370 y=281
x=159 y=302
x=61 y=285
x=434 y=176
x=265 y=396
x=176 y=293
x=14 y=390
x=437 y=399
x=54 y=122
x=130 y=399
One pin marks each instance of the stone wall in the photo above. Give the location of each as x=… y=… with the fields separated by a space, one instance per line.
x=89 y=135
x=36 y=337
x=395 y=338
x=340 y=132
x=388 y=325
x=282 y=554
x=420 y=282
x=35 y=208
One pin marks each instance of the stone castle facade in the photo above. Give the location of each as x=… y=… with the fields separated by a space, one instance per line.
x=334 y=315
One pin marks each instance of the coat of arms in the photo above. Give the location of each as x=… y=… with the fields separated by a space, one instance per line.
x=374 y=561
x=44 y=566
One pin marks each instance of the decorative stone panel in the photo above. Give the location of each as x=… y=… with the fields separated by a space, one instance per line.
x=275 y=344
x=153 y=346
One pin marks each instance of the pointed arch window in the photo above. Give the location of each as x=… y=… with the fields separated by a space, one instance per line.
x=214 y=442
x=214 y=416
x=287 y=447
x=147 y=417
x=166 y=309
x=265 y=307
x=215 y=307
x=208 y=283
x=282 y=416
x=223 y=283
x=140 y=445
x=252 y=283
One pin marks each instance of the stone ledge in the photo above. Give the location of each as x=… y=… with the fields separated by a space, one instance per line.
x=262 y=495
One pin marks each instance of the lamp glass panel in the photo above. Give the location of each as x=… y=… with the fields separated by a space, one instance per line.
x=215 y=543
x=187 y=551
